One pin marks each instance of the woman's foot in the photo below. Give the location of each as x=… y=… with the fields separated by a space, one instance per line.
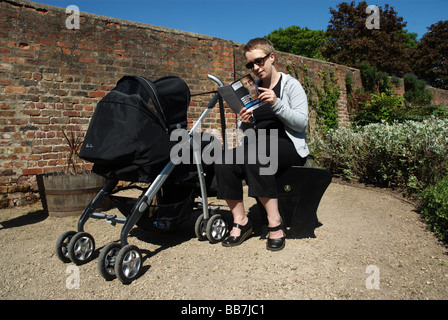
x=276 y=239
x=238 y=234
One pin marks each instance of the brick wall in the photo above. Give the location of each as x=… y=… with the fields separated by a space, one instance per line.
x=51 y=79
x=439 y=96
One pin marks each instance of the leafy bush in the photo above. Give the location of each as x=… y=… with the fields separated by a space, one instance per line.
x=357 y=104
x=434 y=207
x=365 y=108
x=377 y=102
x=436 y=110
x=373 y=80
x=381 y=107
x=419 y=113
x=416 y=92
x=408 y=155
x=387 y=105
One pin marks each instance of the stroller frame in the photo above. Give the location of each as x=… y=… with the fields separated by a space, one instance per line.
x=124 y=260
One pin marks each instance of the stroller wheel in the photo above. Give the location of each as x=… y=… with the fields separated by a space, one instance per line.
x=128 y=264
x=81 y=247
x=107 y=259
x=62 y=246
x=200 y=227
x=216 y=228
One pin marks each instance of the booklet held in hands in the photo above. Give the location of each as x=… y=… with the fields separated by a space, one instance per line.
x=242 y=93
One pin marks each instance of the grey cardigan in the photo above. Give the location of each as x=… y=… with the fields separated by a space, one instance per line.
x=292 y=109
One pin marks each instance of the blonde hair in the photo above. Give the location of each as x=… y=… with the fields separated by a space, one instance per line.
x=259 y=43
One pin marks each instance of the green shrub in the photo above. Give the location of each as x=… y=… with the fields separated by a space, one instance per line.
x=436 y=111
x=416 y=92
x=377 y=102
x=382 y=107
x=434 y=207
x=373 y=80
x=356 y=104
x=365 y=108
x=419 y=113
x=408 y=155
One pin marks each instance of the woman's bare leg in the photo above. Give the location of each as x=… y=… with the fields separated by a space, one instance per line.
x=239 y=215
x=274 y=218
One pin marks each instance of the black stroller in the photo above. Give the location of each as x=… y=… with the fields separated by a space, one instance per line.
x=128 y=139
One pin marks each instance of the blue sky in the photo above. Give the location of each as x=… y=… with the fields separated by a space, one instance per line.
x=242 y=20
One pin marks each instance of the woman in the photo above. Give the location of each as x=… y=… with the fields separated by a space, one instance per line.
x=285 y=113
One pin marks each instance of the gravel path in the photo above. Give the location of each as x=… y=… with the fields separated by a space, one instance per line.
x=372 y=245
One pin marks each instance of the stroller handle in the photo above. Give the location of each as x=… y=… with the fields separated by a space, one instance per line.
x=216 y=79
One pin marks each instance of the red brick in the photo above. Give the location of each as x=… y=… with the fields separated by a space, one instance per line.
x=13 y=60
x=32 y=171
x=44 y=41
x=5 y=51
x=87 y=60
x=69 y=113
x=15 y=89
x=65 y=44
x=97 y=94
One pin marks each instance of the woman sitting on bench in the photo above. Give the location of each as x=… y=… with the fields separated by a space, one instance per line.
x=287 y=113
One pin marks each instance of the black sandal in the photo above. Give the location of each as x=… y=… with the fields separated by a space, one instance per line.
x=246 y=231
x=276 y=244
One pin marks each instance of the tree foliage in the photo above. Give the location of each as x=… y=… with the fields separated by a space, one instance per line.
x=410 y=39
x=300 y=41
x=351 y=42
x=431 y=56
x=390 y=49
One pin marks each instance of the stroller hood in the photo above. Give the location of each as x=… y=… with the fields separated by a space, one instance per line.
x=129 y=130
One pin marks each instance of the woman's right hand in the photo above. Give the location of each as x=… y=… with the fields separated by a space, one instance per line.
x=245 y=115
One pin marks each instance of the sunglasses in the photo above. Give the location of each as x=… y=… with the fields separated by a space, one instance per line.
x=258 y=62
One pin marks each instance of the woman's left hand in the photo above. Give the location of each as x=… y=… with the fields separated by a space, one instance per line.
x=267 y=95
